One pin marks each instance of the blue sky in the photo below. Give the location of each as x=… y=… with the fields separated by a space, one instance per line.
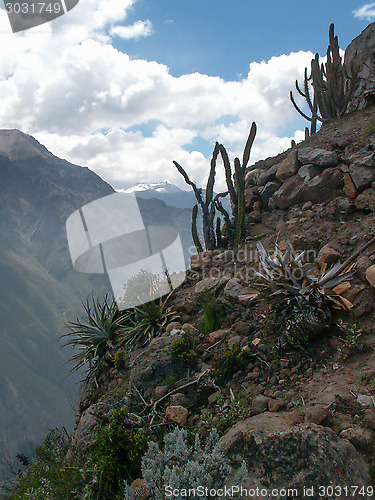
x=220 y=38
x=126 y=86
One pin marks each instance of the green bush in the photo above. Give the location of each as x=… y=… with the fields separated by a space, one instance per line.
x=117 y=453
x=180 y=466
x=227 y=365
x=183 y=349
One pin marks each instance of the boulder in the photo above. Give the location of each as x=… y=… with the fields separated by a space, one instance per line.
x=265 y=192
x=279 y=454
x=308 y=172
x=362 y=49
x=267 y=176
x=370 y=275
x=328 y=255
x=317 y=156
x=287 y=167
x=362 y=176
x=366 y=200
x=177 y=414
x=295 y=190
x=209 y=284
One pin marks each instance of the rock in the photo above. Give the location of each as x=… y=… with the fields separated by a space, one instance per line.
x=349 y=186
x=177 y=414
x=275 y=405
x=140 y=489
x=359 y=437
x=307 y=205
x=328 y=255
x=175 y=325
x=265 y=192
x=242 y=328
x=213 y=398
x=370 y=275
x=294 y=190
x=251 y=196
x=366 y=200
x=253 y=217
x=201 y=259
x=287 y=167
x=316 y=414
x=180 y=399
x=252 y=176
x=308 y=172
x=161 y=391
x=209 y=284
x=189 y=328
x=280 y=454
x=362 y=176
x=362 y=49
x=268 y=175
x=234 y=341
x=317 y=156
x=233 y=290
x=83 y=436
x=363 y=263
x=259 y=404
x=366 y=401
x=217 y=335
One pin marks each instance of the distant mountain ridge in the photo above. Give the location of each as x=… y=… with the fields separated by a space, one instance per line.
x=39 y=288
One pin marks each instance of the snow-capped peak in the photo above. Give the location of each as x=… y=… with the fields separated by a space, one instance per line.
x=160 y=187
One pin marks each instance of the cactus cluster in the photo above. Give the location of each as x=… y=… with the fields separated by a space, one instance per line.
x=332 y=86
x=210 y=204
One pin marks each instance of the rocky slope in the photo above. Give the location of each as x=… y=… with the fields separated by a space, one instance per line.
x=311 y=405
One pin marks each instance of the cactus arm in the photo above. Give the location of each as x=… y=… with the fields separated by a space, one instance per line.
x=197 y=191
x=249 y=144
x=228 y=174
x=194 y=231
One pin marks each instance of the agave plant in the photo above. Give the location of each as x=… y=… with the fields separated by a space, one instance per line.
x=93 y=337
x=302 y=292
x=146 y=322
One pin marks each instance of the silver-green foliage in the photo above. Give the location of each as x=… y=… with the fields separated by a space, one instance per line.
x=181 y=467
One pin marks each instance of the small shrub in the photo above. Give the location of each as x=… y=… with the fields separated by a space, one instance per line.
x=180 y=466
x=227 y=365
x=213 y=312
x=351 y=333
x=120 y=360
x=117 y=453
x=182 y=348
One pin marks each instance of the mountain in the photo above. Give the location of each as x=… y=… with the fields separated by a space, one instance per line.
x=171 y=194
x=39 y=288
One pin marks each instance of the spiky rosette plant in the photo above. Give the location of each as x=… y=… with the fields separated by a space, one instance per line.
x=303 y=293
x=93 y=336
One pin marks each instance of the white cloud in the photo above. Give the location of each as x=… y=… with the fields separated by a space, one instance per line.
x=69 y=83
x=137 y=30
x=366 y=12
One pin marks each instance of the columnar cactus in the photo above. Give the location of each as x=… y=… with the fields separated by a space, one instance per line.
x=235 y=224
x=332 y=85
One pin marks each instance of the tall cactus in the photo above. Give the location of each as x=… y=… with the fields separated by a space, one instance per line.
x=333 y=86
x=207 y=205
x=236 y=189
x=235 y=224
